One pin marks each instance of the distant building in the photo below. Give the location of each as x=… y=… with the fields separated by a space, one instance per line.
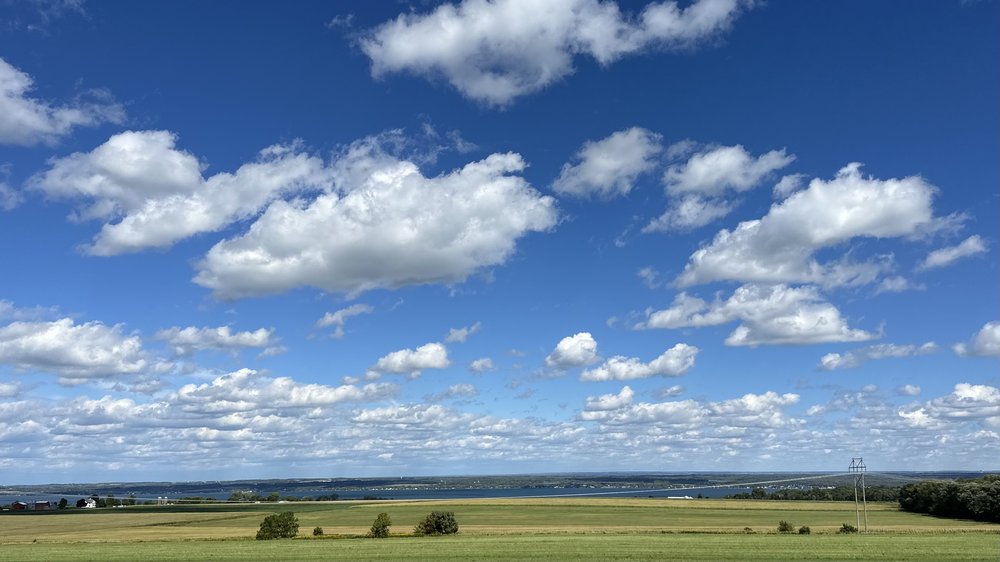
x=42 y=505
x=19 y=506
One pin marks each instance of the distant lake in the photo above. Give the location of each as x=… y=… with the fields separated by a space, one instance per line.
x=394 y=493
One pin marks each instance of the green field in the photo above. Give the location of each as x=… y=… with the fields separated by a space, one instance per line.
x=513 y=529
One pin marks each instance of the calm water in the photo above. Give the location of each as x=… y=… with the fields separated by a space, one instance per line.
x=395 y=493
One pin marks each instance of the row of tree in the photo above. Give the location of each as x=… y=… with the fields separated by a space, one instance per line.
x=977 y=499
x=839 y=493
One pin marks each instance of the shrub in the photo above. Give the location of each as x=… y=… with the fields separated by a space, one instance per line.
x=785 y=527
x=748 y=530
x=437 y=523
x=847 y=529
x=803 y=530
x=280 y=526
x=380 y=528
x=318 y=532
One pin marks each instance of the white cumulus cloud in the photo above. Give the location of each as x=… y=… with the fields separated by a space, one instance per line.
x=482 y=365
x=986 y=342
x=151 y=194
x=944 y=257
x=75 y=352
x=769 y=314
x=699 y=187
x=386 y=226
x=413 y=361
x=186 y=341
x=29 y=121
x=610 y=401
x=781 y=246
x=671 y=363
x=855 y=358
x=577 y=350
x=494 y=51
x=609 y=167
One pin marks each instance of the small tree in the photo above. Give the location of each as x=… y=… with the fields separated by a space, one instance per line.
x=847 y=529
x=279 y=526
x=785 y=527
x=380 y=528
x=437 y=523
x=318 y=532
x=803 y=530
x=63 y=503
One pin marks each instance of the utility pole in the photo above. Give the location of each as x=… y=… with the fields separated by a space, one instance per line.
x=858 y=468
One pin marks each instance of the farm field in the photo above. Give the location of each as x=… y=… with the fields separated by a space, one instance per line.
x=509 y=529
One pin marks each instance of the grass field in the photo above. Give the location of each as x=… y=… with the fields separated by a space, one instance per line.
x=509 y=529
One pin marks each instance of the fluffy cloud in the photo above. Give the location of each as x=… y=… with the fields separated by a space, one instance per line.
x=494 y=51
x=9 y=197
x=482 y=365
x=186 y=341
x=386 y=226
x=75 y=352
x=965 y=403
x=461 y=334
x=650 y=277
x=943 y=257
x=855 y=358
x=770 y=314
x=909 y=390
x=573 y=351
x=339 y=318
x=788 y=185
x=780 y=247
x=28 y=121
x=9 y=389
x=157 y=195
x=412 y=361
x=609 y=167
x=671 y=363
x=698 y=186
x=610 y=401
x=986 y=343
x=246 y=390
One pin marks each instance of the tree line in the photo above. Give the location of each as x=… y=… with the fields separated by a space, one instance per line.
x=977 y=499
x=838 y=493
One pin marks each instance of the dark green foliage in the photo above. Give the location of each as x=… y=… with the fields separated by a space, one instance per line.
x=748 y=530
x=380 y=528
x=840 y=493
x=847 y=529
x=63 y=503
x=960 y=499
x=803 y=530
x=280 y=526
x=785 y=527
x=318 y=532
x=437 y=523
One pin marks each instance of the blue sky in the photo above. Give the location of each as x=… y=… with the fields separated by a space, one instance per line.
x=330 y=239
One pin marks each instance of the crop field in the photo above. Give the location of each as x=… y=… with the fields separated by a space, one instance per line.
x=508 y=529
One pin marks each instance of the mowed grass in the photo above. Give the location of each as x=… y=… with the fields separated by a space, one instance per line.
x=507 y=529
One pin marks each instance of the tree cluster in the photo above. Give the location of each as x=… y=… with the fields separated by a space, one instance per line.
x=977 y=499
x=437 y=523
x=278 y=526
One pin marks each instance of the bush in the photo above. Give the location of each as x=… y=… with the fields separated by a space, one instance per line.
x=318 y=532
x=748 y=530
x=437 y=523
x=280 y=526
x=785 y=527
x=847 y=529
x=380 y=528
x=803 y=530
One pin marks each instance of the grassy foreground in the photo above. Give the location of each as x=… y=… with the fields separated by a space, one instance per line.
x=539 y=547
x=508 y=529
